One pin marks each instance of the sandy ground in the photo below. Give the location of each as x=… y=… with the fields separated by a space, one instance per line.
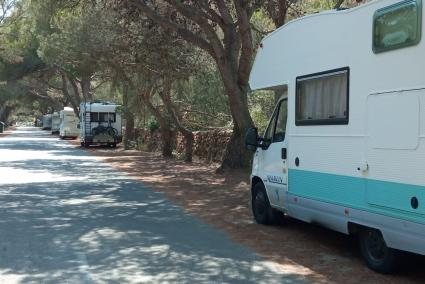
x=319 y=254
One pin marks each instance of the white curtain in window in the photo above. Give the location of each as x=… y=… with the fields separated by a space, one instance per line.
x=323 y=97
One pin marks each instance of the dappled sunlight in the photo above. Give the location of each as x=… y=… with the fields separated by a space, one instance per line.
x=88 y=199
x=223 y=200
x=18 y=176
x=94 y=238
x=76 y=220
x=279 y=268
x=7 y=276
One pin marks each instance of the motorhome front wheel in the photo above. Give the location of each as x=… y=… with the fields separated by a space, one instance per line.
x=261 y=208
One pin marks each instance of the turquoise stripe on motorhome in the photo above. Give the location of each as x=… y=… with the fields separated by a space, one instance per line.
x=381 y=197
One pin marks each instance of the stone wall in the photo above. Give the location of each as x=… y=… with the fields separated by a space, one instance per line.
x=209 y=146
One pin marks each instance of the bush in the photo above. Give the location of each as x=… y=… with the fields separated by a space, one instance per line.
x=153 y=125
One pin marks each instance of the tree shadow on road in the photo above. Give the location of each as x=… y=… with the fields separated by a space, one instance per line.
x=223 y=200
x=84 y=222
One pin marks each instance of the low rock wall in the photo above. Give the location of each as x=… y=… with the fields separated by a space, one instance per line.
x=209 y=146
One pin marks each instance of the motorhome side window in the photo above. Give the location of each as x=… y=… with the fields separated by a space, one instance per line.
x=322 y=98
x=397 y=26
x=102 y=117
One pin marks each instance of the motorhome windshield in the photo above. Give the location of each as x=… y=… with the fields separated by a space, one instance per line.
x=280 y=130
x=277 y=127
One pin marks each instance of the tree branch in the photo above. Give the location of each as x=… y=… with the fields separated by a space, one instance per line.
x=338 y=4
x=165 y=23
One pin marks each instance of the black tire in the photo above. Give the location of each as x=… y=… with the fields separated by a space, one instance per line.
x=376 y=254
x=263 y=212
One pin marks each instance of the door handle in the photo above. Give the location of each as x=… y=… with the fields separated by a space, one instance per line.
x=284 y=154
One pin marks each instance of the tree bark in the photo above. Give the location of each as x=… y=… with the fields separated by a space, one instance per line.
x=189 y=141
x=277 y=10
x=74 y=100
x=86 y=88
x=338 y=4
x=173 y=111
x=236 y=155
x=129 y=118
x=165 y=128
x=167 y=140
x=5 y=112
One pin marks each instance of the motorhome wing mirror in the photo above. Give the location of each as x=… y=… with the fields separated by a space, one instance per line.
x=251 y=139
x=78 y=126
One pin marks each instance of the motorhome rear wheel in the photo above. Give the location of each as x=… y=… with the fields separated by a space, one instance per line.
x=377 y=254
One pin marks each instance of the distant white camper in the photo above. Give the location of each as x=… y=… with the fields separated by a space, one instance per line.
x=47 y=122
x=345 y=146
x=100 y=124
x=69 y=124
x=56 y=121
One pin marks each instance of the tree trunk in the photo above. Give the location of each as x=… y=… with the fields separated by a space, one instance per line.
x=165 y=128
x=129 y=118
x=338 y=4
x=74 y=100
x=86 y=87
x=173 y=111
x=236 y=155
x=189 y=140
x=129 y=130
x=5 y=113
x=167 y=139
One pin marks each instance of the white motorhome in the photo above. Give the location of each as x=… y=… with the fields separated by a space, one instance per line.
x=68 y=124
x=56 y=121
x=100 y=124
x=345 y=146
x=47 y=122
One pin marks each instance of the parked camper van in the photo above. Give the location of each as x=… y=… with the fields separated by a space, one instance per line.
x=47 y=122
x=345 y=146
x=100 y=124
x=38 y=122
x=56 y=121
x=68 y=124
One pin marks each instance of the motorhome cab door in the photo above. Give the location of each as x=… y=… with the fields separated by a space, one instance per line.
x=273 y=156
